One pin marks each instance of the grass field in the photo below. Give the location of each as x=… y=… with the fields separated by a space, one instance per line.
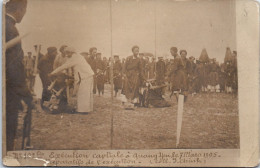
x=209 y=121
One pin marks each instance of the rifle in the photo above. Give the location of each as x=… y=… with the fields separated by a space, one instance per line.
x=26 y=141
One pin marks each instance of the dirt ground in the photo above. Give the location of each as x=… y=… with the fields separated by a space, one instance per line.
x=209 y=121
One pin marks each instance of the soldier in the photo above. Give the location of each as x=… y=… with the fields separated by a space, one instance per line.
x=92 y=63
x=29 y=67
x=117 y=71
x=16 y=88
x=45 y=67
x=133 y=76
x=100 y=70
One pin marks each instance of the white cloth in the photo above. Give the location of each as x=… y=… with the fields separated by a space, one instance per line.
x=83 y=75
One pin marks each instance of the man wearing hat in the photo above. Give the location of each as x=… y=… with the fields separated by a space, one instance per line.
x=83 y=75
x=45 y=67
x=117 y=73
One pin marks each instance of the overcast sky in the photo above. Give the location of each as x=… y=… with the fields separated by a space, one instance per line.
x=154 y=25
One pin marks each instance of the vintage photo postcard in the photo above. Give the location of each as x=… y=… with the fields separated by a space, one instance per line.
x=130 y=83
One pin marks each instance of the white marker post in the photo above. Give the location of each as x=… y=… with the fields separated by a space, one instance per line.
x=179 y=118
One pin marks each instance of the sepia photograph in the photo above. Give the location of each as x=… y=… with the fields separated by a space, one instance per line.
x=121 y=75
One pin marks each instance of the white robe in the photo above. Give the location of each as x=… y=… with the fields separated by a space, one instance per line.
x=83 y=75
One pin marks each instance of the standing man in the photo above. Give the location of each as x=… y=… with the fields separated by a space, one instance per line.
x=29 y=67
x=45 y=67
x=179 y=73
x=100 y=78
x=133 y=76
x=92 y=63
x=40 y=54
x=105 y=73
x=117 y=72
x=16 y=88
x=160 y=71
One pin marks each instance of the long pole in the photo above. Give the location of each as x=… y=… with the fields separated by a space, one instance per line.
x=111 y=78
x=155 y=27
x=4 y=149
x=155 y=31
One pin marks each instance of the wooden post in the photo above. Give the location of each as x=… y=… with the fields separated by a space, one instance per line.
x=4 y=149
x=111 y=79
x=179 y=118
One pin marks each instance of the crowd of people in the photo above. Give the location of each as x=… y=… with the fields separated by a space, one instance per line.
x=134 y=75
x=140 y=79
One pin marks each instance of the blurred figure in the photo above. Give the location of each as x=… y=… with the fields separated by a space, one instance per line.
x=29 y=69
x=92 y=63
x=160 y=71
x=45 y=67
x=213 y=76
x=61 y=58
x=146 y=67
x=105 y=61
x=152 y=65
x=117 y=73
x=100 y=77
x=85 y=55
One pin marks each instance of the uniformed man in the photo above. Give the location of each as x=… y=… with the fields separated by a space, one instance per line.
x=16 y=88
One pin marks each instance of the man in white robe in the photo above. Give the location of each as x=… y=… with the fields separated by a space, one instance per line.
x=83 y=75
